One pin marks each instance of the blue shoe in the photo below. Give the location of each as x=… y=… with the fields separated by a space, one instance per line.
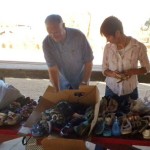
x=83 y=128
x=60 y=114
x=99 y=127
x=116 y=131
x=68 y=129
x=42 y=128
x=107 y=130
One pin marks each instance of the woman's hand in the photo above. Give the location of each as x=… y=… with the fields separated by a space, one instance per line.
x=129 y=72
x=121 y=76
x=118 y=75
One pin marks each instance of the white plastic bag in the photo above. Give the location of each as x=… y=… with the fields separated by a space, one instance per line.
x=147 y=98
x=8 y=94
x=141 y=106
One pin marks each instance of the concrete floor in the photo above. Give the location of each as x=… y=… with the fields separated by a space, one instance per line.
x=35 y=88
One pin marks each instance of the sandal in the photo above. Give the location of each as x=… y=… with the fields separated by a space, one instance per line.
x=139 y=126
x=126 y=126
x=12 y=118
x=2 y=118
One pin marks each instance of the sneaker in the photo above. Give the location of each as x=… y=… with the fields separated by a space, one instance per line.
x=126 y=127
x=107 y=130
x=68 y=129
x=83 y=128
x=109 y=118
x=116 y=127
x=99 y=127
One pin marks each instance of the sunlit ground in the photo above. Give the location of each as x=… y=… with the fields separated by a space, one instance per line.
x=22 y=44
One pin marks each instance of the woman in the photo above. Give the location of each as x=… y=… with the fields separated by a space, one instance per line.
x=120 y=62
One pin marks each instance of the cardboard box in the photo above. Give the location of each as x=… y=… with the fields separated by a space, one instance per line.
x=88 y=95
x=52 y=143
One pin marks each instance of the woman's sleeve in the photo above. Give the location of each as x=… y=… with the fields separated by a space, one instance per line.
x=143 y=58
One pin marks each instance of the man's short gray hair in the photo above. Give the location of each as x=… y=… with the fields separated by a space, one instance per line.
x=53 y=19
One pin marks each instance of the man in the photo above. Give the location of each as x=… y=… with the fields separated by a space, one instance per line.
x=120 y=62
x=67 y=53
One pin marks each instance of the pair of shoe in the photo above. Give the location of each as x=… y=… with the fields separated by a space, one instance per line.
x=60 y=114
x=104 y=125
x=12 y=118
x=27 y=109
x=108 y=105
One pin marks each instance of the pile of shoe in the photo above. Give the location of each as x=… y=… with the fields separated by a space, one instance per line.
x=114 y=122
x=67 y=119
x=19 y=110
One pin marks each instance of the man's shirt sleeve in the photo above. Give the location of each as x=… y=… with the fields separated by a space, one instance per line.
x=50 y=60
x=87 y=50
